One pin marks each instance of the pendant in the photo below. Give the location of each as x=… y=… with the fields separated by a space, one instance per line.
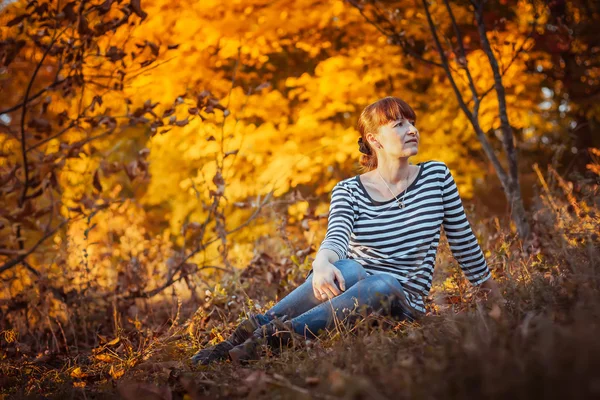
x=400 y=205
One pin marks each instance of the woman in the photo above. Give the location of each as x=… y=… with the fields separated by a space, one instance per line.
x=381 y=242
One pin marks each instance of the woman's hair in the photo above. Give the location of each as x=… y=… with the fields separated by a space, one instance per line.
x=372 y=117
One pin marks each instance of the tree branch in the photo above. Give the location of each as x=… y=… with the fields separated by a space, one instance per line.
x=8 y=265
x=507 y=132
x=33 y=97
x=171 y=280
x=474 y=121
x=445 y=63
x=393 y=34
x=519 y=50
x=23 y=114
x=463 y=53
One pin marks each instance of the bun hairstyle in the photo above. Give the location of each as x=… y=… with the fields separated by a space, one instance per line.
x=372 y=117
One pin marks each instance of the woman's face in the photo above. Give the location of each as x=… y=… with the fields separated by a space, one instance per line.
x=398 y=138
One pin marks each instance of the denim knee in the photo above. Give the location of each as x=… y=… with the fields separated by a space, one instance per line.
x=351 y=269
x=385 y=284
x=264 y=319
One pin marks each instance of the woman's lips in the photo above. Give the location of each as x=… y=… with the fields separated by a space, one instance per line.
x=411 y=141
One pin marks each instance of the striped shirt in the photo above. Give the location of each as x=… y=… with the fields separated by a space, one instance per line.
x=386 y=239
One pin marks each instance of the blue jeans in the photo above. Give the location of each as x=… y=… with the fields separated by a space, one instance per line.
x=378 y=292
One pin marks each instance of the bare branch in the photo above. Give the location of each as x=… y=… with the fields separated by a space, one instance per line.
x=500 y=93
x=393 y=34
x=519 y=50
x=24 y=112
x=463 y=53
x=445 y=63
x=171 y=280
x=8 y=265
x=474 y=121
x=33 y=97
x=41 y=142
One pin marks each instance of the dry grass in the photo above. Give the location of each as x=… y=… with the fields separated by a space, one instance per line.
x=543 y=344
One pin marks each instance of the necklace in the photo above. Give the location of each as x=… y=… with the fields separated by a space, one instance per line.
x=400 y=202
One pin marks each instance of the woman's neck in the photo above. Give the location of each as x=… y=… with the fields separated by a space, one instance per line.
x=394 y=171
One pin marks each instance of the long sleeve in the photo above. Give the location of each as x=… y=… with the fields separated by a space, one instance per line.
x=463 y=243
x=340 y=221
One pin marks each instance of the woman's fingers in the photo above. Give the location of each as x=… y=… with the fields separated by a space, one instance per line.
x=319 y=294
x=328 y=294
x=340 y=278
x=326 y=290
x=333 y=289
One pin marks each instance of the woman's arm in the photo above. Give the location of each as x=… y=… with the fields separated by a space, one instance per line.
x=325 y=256
x=339 y=223
x=463 y=242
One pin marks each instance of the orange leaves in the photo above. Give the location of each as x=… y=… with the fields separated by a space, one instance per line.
x=180 y=123
x=104 y=358
x=17 y=20
x=115 y=54
x=96 y=181
x=78 y=373
x=116 y=373
x=136 y=7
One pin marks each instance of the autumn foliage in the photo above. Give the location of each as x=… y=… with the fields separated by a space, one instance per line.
x=165 y=169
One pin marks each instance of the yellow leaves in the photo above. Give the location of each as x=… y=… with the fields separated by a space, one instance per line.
x=116 y=373
x=340 y=157
x=229 y=49
x=104 y=358
x=10 y=335
x=287 y=134
x=217 y=337
x=78 y=373
x=307 y=47
x=450 y=284
x=519 y=88
x=297 y=210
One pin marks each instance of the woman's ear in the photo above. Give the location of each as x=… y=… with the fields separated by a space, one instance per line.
x=371 y=139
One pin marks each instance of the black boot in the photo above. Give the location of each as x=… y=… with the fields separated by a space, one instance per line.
x=276 y=334
x=220 y=351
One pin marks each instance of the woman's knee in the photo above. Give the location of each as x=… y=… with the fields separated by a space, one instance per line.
x=382 y=283
x=351 y=270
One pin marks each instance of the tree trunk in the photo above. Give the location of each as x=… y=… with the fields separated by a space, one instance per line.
x=512 y=189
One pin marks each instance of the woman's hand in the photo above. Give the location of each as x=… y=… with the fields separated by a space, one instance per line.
x=323 y=281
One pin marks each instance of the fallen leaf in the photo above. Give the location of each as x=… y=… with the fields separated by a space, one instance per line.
x=112 y=342
x=78 y=373
x=116 y=373
x=104 y=357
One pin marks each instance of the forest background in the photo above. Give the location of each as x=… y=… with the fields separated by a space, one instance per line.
x=165 y=168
